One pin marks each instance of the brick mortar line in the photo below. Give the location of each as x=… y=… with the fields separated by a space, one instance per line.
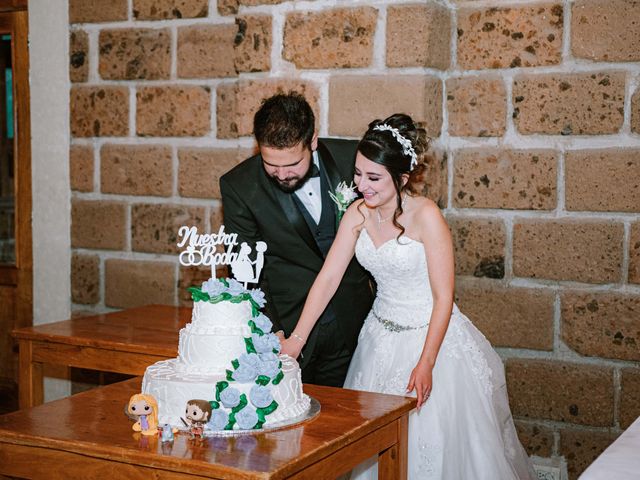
x=566 y=31
x=379 y=47
x=130 y=10
x=132 y=111
x=561 y=200
x=569 y=356
x=173 y=69
x=179 y=142
x=175 y=163
x=626 y=254
x=557 y=322
x=97 y=167
x=556 y=425
x=508 y=248
x=143 y=199
x=584 y=215
x=93 y=75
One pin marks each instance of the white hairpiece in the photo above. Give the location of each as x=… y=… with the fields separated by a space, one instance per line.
x=405 y=143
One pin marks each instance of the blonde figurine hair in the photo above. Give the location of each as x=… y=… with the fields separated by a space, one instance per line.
x=152 y=418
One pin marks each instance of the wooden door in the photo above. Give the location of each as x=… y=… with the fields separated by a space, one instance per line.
x=16 y=278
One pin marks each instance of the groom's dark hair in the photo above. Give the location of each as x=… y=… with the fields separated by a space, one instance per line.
x=283 y=121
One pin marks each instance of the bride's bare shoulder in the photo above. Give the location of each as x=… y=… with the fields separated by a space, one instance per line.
x=427 y=212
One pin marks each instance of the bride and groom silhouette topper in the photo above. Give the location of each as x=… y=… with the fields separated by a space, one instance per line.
x=201 y=249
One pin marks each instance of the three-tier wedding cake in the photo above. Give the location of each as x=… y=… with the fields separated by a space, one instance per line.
x=228 y=356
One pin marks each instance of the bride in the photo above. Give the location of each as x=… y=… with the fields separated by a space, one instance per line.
x=415 y=340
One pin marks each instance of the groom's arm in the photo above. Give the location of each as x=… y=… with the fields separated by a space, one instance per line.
x=239 y=219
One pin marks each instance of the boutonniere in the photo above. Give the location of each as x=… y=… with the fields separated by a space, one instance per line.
x=343 y=197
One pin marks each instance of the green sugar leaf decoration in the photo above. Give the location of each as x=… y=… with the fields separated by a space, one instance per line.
x=278 y=378
x=262 y=380
x=249 y=345
x=220 y=386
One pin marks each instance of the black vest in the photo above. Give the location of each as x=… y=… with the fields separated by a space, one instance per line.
x=324 y=232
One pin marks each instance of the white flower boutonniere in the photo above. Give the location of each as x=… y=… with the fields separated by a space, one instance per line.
x=343 y=197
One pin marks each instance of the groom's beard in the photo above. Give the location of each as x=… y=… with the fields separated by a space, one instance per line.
x=291 y=184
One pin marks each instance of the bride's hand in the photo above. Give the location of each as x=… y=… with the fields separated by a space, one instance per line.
x=421 y=379
x=292 y=346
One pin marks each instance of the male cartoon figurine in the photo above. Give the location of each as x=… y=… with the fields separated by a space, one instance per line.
x=281 y=196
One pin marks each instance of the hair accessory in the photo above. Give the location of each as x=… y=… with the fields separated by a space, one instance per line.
x=407 y=148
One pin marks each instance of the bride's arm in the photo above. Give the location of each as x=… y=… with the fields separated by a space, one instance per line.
x=436 y=238
x=327 y=281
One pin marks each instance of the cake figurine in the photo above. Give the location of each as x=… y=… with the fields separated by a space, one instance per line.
x=144 y=409
x=197 y=415
x=227 y=354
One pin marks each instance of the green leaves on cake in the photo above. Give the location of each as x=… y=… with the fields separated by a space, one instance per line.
x=217 y=290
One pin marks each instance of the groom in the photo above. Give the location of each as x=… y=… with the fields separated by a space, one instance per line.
x=281 y=197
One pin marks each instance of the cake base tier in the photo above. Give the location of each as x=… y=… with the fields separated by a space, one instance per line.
x=173 y=390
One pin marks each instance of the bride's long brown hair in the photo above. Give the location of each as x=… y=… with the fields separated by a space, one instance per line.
x=382 y=147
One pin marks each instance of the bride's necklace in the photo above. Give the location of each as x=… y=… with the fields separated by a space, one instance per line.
x=382 y=219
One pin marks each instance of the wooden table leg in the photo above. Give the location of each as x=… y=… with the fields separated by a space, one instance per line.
x=392 y=462
x=30 y=379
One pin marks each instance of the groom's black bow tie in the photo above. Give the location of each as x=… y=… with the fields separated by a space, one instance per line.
x=314 y=171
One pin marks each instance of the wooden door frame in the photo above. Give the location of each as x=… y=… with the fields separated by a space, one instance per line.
x=14 y=20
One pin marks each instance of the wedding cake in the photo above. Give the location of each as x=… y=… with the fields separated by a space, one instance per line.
x=228 y=356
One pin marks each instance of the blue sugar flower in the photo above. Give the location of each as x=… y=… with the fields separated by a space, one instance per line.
x=269 y=365
x=245 y=373
x=235 y=287
x=213 y=287
x=250 y=359
x=246 y=418
x=219 y=420
x=260 y=396
x=230 y=397
x=263 y=323
x=266 y=343
x=258 y=296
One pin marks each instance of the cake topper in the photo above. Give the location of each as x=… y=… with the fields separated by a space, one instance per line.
x=201 y=249
x=144 y=410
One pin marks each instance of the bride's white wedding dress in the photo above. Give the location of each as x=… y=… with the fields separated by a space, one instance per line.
x=465 y=429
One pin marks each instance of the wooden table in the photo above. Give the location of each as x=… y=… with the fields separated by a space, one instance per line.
x=123 y=342
x=88 y=436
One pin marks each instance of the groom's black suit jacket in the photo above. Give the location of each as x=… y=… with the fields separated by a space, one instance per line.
x=256 y=209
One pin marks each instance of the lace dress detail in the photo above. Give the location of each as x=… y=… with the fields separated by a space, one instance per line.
x=465 y=429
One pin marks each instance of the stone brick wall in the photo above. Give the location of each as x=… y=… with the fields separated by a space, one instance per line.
x=534 y=112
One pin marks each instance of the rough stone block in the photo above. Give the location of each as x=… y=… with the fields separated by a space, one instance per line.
x=419 y=36
x=588 y=251
x=78 y=56
x=629 y=396
x=603 y=325
x=81 y=168
x=135 y=53
x=536 y=439
x=201 y=168
x=205 y=51
x=337 y=38
x=569 y=104
x=136 y=170
x=154 y=228
x=216 y=219
x=433 y=182
x=479 y=246
x=354 y=101
x=506 y=179
x=606 y=31
x=98 y=224
x=99 y=111
x=508 y=317
x=618 y=190
x=252 y=43
x=173 y=111
x=527 y=36
x=132 y=283
x=582 y=447
x=238 y=102
x=85 y=279
x=634 y=253
x=167 y=9
x=95 y=11
x=560 y=391
x=230 y=7
x=477 y=107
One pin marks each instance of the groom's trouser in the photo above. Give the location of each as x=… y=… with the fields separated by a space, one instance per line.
x=330 y=358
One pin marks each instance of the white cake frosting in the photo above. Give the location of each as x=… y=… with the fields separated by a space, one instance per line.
x=208 y=353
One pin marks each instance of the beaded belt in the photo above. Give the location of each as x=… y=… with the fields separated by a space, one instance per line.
x=395 y=327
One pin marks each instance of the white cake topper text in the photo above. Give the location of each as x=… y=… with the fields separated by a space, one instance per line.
x=201 y=250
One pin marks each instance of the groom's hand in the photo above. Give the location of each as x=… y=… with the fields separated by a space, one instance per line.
x=292 y=346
